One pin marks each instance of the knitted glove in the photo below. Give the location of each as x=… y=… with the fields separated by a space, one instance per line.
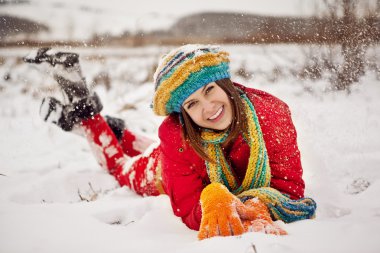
x=67 y=116
x=256 y=217
x=219 y=214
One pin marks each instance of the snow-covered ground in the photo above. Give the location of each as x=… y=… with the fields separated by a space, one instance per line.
x=55 y=198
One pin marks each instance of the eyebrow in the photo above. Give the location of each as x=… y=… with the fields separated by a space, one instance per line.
x=204 y=87
x=187 y=102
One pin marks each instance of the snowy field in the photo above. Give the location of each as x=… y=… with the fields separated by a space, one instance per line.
x=55 y=198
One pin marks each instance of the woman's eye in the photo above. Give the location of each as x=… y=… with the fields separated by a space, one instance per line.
x=208 y=89
x=191 y=104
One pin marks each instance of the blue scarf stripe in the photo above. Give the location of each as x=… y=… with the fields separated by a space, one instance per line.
x=298 y=212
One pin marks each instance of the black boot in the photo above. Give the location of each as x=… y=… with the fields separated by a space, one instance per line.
x=117 y=126
x=67 y=116
x=64 y=67
x=80 y=102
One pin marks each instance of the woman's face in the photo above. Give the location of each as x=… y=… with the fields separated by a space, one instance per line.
x=209 y=107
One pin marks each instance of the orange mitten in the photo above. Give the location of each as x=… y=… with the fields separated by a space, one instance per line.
x=219 y=214
x=256 y=217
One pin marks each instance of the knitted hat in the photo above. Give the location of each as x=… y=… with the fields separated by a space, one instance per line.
x=183 y=71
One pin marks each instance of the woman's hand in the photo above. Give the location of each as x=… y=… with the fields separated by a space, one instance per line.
x=256 y=218
x=223 y=214
x=219 y=212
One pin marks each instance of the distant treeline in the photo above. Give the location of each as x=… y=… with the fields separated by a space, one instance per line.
x=245 y=28
x=231 y=28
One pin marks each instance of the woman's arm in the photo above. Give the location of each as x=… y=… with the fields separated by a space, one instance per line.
x=281 y=142
x=182 y=176
x=283 y=152
x=184 y=187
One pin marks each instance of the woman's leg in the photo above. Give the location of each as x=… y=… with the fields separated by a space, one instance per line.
x=131 y=143
x=141 y=172
x=81 y=104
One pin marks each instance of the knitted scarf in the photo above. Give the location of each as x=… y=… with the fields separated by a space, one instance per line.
x=256 y=182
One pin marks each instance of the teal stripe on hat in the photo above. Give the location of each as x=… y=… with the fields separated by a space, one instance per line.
x=195 y=81
x=177 y=60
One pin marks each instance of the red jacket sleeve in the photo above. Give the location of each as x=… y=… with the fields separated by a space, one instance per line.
x=285 y=160
x=281 y=142
x=181 y=176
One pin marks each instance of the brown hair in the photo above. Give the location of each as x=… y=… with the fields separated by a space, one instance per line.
x=192 y=132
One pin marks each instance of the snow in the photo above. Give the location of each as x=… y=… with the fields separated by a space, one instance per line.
x=54 y=197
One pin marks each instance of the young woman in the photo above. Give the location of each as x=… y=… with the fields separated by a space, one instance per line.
x=228 y=157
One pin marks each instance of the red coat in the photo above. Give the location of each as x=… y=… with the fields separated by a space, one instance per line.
x=184 y=173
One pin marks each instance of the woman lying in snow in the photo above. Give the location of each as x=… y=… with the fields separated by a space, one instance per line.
x=228 y=157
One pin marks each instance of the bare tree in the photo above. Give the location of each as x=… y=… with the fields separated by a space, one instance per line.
x=357 y=28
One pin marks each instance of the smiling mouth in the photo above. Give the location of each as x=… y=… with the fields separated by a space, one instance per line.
x=217 y=114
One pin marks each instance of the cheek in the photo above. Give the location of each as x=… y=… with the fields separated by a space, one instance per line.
x=196 y=116
x=222 y=97
x=228 y=108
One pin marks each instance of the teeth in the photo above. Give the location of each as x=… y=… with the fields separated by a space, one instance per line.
x=216 y=114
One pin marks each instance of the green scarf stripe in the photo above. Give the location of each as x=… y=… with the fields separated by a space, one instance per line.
x=259 y=139
x=259 y=173
x=238 y=190
x=219 y=139
x=274 y=213
x=261 y=166
x=262 y=177
x=223 y=175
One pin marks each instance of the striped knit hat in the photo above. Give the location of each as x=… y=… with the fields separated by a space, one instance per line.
x=183 y=71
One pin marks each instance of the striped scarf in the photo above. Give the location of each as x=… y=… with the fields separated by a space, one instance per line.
x=256 y=182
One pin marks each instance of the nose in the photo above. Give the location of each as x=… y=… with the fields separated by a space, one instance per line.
x=208 y=106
